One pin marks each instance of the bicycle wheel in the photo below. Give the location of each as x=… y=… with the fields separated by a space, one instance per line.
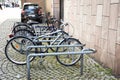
x=24 y=32
x=69 y=59
x=22 y=26
x=15 y=49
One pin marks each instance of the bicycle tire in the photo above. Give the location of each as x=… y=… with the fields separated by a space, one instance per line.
x=22 y=26
x=68 y=60
x=24 y=32
x=17 y=54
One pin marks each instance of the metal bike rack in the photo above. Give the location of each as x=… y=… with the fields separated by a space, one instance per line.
x=84 y=51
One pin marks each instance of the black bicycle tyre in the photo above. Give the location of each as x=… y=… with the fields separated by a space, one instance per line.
x=7 y=47
x=24 y=31
x=58 y=56
x=26 y=26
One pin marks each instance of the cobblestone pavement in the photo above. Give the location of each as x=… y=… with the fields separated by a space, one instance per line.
x=50 y=69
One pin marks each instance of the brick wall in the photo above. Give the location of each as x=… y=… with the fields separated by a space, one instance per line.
x=97 y=23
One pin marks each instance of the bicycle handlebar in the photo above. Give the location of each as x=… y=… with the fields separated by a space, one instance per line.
x=62 y=23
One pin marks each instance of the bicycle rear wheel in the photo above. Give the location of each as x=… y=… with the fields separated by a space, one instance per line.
x=69 y=59
x=22 y=26
x=24 y=32
x=15 y=49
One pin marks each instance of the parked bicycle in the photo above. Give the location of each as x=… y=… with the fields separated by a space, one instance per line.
x=36 y=29
x=15 y=49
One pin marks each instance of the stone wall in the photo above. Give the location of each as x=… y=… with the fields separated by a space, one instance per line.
x=97 y=23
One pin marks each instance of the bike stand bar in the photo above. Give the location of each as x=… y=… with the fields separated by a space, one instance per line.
x=81 y=66
x=54 y=46
x=84 y=51
x=28 y=68
x=42 y=54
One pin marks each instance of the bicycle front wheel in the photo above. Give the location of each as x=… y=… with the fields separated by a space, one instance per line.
x=69 y=59
x=15 y=49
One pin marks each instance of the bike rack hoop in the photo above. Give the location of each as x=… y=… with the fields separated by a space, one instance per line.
x=84 y=51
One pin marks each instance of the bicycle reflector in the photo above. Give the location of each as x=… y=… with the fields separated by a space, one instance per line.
x=10 y=35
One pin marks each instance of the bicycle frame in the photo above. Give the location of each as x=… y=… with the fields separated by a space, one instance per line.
x=47 y=36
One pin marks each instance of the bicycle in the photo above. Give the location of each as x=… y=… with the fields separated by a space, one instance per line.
x=34 y=28
x=17 y=54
